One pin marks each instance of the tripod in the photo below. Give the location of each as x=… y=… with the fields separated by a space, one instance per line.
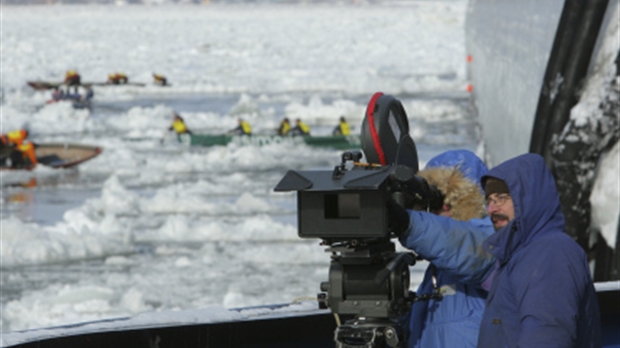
x=371 y=282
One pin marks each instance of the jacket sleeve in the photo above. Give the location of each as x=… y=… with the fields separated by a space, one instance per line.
x=549 y=287
x=452 y=246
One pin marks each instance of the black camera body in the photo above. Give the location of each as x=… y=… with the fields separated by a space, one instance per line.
x=347 y=209
x=340 y=208
x=348 y=203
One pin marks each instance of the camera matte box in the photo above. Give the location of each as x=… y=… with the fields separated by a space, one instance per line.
x=351 y=206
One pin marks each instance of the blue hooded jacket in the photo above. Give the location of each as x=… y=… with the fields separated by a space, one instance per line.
x=542 y=294
x=454 y=320
x=465 y=160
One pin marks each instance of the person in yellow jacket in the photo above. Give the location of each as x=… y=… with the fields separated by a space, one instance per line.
x=300 y=128
x=117 y=79
x=160 y=79
x=243 y=128
x=342 y=128
x=178 y=125
x=14 y=138
x=28 y=158
x=72 y=78
x=285 y=127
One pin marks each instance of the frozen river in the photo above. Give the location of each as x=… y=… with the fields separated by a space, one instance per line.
x=154 y=225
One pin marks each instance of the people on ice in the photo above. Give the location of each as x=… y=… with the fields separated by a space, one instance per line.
x=243 y=128
x=57 y=94
x=300 y=128
x=90 y=93
x=342 y=128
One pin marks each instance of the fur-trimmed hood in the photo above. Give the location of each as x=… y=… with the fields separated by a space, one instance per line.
x=462 y=194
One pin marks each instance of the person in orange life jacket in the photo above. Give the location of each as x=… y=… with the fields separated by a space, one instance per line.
x=243 y=128
x=342 y=128
x=159 y=80
x=72 y=78
x=284 y=128
x=28 y=158
x=16 y=148
x=14 y=138
x=117 y=79
x=9 y=143
x=300 y=128
x=178 y=125
x=452 y=317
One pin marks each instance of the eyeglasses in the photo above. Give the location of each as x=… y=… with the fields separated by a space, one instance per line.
x=499 y=200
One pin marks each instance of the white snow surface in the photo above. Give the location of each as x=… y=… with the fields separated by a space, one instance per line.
x=152 y=227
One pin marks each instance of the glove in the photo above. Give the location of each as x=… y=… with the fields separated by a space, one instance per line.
x=398 y=218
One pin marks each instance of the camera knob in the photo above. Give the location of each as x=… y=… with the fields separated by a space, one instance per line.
x=322 y=300
x=391 y=337
x=324 y=286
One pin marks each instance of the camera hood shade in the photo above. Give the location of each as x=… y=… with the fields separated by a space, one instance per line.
x=351 y=206
x=293 y=181
x=385 y=133
x=316 y=180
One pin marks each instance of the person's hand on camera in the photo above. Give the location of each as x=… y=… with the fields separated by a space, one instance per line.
x=398 y=218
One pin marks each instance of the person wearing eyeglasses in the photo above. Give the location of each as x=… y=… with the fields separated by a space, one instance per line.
x=541 y=292
x=499 y=203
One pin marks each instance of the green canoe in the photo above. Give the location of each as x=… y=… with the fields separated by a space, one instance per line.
x=336 y=142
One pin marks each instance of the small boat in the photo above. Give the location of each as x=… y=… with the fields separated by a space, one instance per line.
x=47 y=85
x=138 y=84
x=76 y=102
x=61 y=155
x=81 y=104
x=64 y=155
x=43 y=85
x=336 y=142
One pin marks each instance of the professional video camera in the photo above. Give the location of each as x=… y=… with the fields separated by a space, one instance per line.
x=347 y=208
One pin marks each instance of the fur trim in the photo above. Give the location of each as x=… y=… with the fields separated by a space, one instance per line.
x=463 y=195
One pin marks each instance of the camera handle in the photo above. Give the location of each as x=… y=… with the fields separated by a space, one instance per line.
x=408 y=258
x=353 y=156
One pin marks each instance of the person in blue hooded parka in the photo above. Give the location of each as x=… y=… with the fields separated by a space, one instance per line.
x=541 y=294
x=453 y=320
